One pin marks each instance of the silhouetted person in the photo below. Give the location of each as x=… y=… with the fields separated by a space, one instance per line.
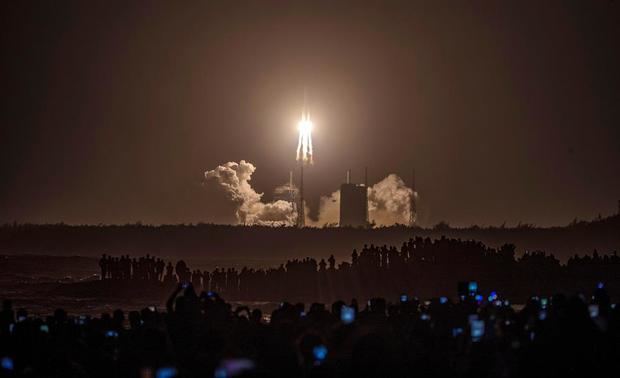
x=7 y=316
x=103 y=265
x=169 y=272
x=159 y=268
x=322 y=265
x=354 y=257
x=181 y=270
x=332 y=262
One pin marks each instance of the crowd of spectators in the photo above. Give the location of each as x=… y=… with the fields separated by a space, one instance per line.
x=152 y=269
x=470 y=334
x=421 y=265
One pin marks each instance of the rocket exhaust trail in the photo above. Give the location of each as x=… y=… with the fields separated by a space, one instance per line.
x=304 y=156
x=304 y=144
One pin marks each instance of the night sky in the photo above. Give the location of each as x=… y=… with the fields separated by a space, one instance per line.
x=111 y=112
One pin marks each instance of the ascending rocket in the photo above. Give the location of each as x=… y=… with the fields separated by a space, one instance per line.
x=304 y=145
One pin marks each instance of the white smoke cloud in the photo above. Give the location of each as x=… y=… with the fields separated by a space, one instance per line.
x=329 y=211
x=278 y=213
x=286 y=192
x=388 y=200
x=232 y=179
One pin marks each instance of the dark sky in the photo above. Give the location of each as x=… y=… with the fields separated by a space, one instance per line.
x=111 y=112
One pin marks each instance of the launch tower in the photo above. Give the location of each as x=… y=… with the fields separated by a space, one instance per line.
x=353 y=204
x=304 y=156
x=413 y=210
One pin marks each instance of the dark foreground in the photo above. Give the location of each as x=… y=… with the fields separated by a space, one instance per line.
x=428 y=268
x=202 y=336
x=275 y=244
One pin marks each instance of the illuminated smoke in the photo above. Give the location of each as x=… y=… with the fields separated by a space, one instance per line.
x=329 y=211
x=232 y=179
x=304 y=145
x=388 y=200
x=388 y=204
x=286 y=192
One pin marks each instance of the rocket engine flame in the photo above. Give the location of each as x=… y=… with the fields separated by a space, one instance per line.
x=304 y=145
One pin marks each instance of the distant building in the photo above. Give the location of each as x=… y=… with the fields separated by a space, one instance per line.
x=353 y=205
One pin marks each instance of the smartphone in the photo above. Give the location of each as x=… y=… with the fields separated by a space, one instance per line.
x=347 y=315
x=234 y=367
x=425 y=316
x=457 y=331
x=443 y=300
x=166 y=372
x=111 y=333
x=472 y=287
x=404 y=298
x=11 y=328
x=185 y=285
x=477 y=330
x=152 y=309
x=7 y=363
x=319 y=352
x=44 y=328
x=593 y=309
x=543 y=302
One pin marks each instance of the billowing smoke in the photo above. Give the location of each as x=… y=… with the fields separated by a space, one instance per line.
x=329 y=211
x=286 y=192
x=232 y=179
x=389 y=201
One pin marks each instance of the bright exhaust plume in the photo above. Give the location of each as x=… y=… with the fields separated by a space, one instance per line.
x=304 y=145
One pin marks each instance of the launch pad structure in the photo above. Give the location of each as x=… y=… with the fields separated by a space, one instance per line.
x=354 y=210
x=304 y=156
x=353 y=203
x=413 y=209
x=301 y=208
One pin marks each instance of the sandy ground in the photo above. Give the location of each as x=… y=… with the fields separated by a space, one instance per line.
x=39 y=284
